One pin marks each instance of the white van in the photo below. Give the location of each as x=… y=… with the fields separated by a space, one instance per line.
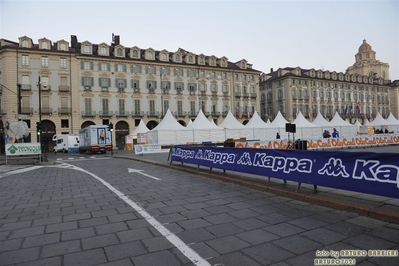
x=67 y=143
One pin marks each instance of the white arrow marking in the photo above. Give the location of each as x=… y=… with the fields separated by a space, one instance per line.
x=141 y=172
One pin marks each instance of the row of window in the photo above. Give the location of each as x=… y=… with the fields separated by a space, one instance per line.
x=321 y=85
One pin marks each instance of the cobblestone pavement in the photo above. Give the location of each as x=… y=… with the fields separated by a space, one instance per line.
x=62 y=216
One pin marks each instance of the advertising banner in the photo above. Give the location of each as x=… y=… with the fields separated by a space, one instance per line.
x=141 y=138
x=366 y=172
x=149 y=148
x=16 y=149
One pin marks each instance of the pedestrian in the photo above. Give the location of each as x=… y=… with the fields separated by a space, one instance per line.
x=277 y=136
x=326 y=134
x=335 y=133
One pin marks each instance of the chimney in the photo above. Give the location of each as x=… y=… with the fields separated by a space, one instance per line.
x=271 y=70
x=74 y=41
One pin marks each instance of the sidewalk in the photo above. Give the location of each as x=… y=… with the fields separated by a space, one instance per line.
x=378 y=207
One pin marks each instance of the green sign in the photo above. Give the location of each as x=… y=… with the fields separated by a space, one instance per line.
x=23 y=149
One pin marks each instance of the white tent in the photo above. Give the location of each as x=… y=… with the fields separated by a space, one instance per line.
x=268 y=122
x=203 y=130
x=380 y=121
x=391 y=118
x=189 y=122
x=305 y=129
x=344 y=128
x=357 y=123
x=256 y=122
x=234 y=129
x=321 y=121
x=279 y=121
x=169 y=131
x=366 y=122
x=230 y=122
x=338 y=121
x=141 y=128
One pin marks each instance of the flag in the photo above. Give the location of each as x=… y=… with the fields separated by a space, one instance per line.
x=346 y=109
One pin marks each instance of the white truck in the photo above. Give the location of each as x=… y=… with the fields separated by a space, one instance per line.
x=95 y=139
x=66 y=143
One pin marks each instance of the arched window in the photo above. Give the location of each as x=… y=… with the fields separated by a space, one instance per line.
x=103 y=50
x=163 y=56
x=190 y=59
x=149 y=55
x=44 y=45
x=177 y=58
x=86 y=49
x=25 y=43
x=119 y=52
x=135 y=53
x=62 y=47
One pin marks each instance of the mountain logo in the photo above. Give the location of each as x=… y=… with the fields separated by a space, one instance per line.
x=12 y=149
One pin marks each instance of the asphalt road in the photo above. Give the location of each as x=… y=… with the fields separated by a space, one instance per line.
x=99 y=210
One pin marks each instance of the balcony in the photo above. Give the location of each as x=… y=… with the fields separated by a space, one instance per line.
x=180 y=114
x=63 y=88
x=64 y=111
x=245 y=94
x=88 y=113
x=215 y=114
x=237 y=94
x=136 y=90
x=122 y=113
x=224 y=113
x=46 y=88
x=26 y=87
x=191 y=113
x=26 y=110
x=151 y=91
x=214 y=94
x=153 y=113
x=87 y=88
x=138 y=113
x=203 y=93
x=225 y=94
x=104 y=88
x=105 y=113
x=253 y=95
x=47 y=111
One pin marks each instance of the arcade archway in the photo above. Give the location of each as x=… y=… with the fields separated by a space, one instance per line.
x=121 y=131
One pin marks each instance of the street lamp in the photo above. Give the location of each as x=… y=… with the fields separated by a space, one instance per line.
x=162 y=90
x=39 y=85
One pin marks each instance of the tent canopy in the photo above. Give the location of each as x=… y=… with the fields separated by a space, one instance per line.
x=141 y=128
x=168 y=123
x=230 y=122
x=256 y=122
x=201 y=122
x=279 y=121
x=321 y=121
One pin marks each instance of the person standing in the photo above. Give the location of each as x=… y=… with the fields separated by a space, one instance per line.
x=335 y=133
x=277 y=136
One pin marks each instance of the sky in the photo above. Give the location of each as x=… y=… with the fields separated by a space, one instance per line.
x=268 y=34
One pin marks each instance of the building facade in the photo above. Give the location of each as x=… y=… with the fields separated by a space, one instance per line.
x=78 y=84
x=359 y=93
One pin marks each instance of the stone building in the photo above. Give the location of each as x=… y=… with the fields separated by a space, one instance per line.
x=360 y=93
x=82 y=83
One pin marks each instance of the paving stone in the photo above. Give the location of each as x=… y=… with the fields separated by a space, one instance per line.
x=348 y=229
x=157 y=243
x=10 y=244
x=203 y=250
x=164 y=258
x=368 y=242
x=54 y=261
x=125 y=262
x=61 y=227
x=88 y=257
x=170 y=218
x=78 y=233
x=140 y=223
x=111 y=228
x=297 y=244
x=220 y=218
x=250 y=224
x=227 y=244
x=99 y=241
x=192 y=214
x=77 y=216
x=222 y=230
x=194 y=223
x=274 y=218
x=386 y=233
x=47 y=220
x=15 y=225
x=126 y=250
x=122 y=217
x=267 y=253
x=324 y=236
x=196 y=235
x=172 y=209
x=40 y=240
x=134 y=234
x=283 y=229
x=303 y=259
x=20 y=255
x=4 y=235
x=366 y=222
x=93 y=222
x=31 y=231
x=256 y=237
x=60 y=248
x=244 y=214
x=235 y=258
x=307 y=223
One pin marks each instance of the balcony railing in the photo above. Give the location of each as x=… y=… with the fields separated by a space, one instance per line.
x=191 y=113
x=26 y=110
x=224 y=113
x=63 y=88
x=136 y=90
x=138 y=113
x=105 y=113
x=152 y=113
x=64 y=111
x=88 y=113
x=245 y=94
x=180 y=113
x=122 y=113
x=215 y=114
x=46 y=88
x=253 y=95
x=26 y=87
x=47 y=111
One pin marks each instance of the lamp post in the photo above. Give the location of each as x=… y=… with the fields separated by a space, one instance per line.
x=162 y=90
x=19 y=99
x=39 y=85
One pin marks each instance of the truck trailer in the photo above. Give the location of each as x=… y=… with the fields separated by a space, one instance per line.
x=95 y=139
x=66 y=143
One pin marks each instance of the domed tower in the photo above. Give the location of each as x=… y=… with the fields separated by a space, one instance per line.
x=367 y=64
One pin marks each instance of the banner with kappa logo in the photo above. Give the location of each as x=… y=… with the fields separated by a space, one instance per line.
x=366 y=172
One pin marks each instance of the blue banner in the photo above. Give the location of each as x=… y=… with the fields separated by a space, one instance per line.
x=366 y=172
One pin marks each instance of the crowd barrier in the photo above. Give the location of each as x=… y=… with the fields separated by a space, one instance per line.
x=365 y=172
